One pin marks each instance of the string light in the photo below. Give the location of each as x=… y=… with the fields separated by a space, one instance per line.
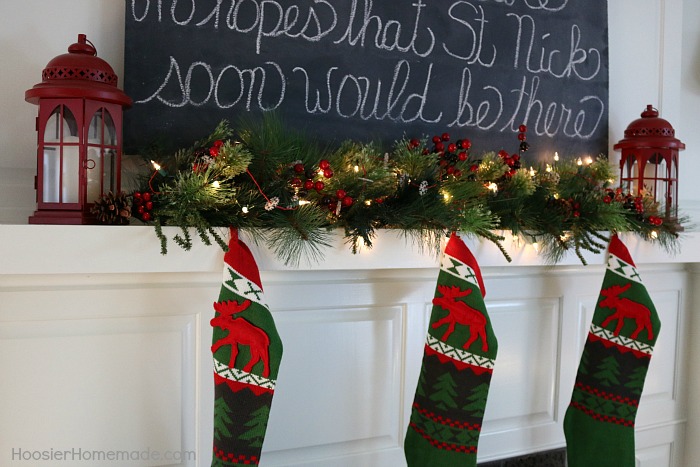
x=446 y=196
x=556 y=156
x=654 y=234
x=589 y=160
x=156 y=166
x=532 y=171
x=356 y=168
x=535 y=245
x=244 y=209
x=303 y=202
x=549 y=168
x=368 y=202
x=579 y=161
x=493 y=187
x=215 y=184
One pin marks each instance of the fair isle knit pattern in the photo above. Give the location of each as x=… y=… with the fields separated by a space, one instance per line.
x=458 y=361
x=599 y=423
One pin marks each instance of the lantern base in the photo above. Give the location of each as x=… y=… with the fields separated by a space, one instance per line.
x=62 y=218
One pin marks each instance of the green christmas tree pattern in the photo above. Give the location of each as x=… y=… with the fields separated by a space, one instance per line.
x=256 y=427
x=477 y=400
x=222 y=418
x=608 y=372
x=636 y=379
x=443 y=392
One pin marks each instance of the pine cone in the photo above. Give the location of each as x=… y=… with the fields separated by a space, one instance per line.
x=112 y=209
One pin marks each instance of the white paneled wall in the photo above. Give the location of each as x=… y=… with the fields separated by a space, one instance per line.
x=102 y=361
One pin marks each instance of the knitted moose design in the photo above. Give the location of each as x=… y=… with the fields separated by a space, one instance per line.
x=241 y=331
x=460 y=313
x=625 y=308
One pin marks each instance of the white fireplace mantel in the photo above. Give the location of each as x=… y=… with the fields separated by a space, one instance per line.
x=106 y=342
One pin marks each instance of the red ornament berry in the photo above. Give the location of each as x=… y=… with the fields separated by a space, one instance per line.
x=451 y=170
x=149 y=206
x=347 y=201
x=146 y=216
x=522 y=128
x=141 y=209
x=146 y=196
x=445 y=137
x=213 y=151
x=295 y=182
x=458 y=173
x=607 y=199
x=340 y=194
x=299 y=168
x=466 y=144
x=414 y=143
x=452 y=147
x=436 y=139
x=515 y=157
x=462 y=156
x=324 y=164
x=503 y=153
x=439 y=147
x=328 y=173
x=474 y=168
x=425 y=151
x=521 y=136
x=577 y=214
x=137 y=195
x=309 y=185
x=218 y=143
x=319 y=185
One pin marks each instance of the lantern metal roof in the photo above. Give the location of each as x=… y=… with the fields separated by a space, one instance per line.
x=79 y=73
x=650 y=131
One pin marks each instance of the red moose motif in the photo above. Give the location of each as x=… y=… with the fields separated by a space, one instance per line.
x=241 y=331
x=460 y=313
x=625 y=308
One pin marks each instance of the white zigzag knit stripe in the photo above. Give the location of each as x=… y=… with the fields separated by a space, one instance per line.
x=623 y=268
x=459 y=354
x=243 y=287
x=457 y=268
x=622 y=340
x=239 y=376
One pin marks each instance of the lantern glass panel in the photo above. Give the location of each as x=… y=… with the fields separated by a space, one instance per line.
x=101 y=171
x=60 y=161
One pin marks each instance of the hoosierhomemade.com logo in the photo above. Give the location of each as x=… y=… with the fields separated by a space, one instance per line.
x=97 y=455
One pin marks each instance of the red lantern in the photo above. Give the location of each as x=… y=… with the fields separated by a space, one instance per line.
x=649 y=162
x=79 y=135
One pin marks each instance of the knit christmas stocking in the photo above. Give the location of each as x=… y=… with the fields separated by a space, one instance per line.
x=247 y=351
x=457 y=364
x=599 y=423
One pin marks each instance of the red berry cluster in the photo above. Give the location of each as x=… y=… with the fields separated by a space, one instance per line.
x=309 y=184
x=522 y=137
x=512 y=161
x=449 y=154
x=632 y=203
x=205 y=156
x=143 y=204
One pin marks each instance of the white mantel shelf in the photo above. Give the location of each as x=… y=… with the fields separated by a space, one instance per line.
x=57 y=249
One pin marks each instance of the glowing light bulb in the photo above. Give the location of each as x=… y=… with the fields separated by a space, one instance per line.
x=493 y=187
x=579 y=161
x=589 y=160
x=156 y=166
x=556 y=157
x=368 y=202
x=532 y=172
x=244 y=209
x=215 y=184
x=549 y=168
x=356 y=168
x=446 y=196
x=536 y=247
x=303 y=202
x=654 y=234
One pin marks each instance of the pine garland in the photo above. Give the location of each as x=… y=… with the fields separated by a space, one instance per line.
x=289 y=192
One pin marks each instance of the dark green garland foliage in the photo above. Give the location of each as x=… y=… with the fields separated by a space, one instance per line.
x=289 y=193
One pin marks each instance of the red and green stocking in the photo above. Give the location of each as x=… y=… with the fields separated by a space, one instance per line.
x=458 y=361
x=247 y=351
x=599 y=423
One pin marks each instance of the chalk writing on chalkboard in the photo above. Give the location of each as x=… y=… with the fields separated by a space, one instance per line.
x=371 y=70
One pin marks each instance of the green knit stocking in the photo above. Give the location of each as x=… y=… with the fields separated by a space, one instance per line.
x=457 y=364
x=247 y=351
x=599 y=423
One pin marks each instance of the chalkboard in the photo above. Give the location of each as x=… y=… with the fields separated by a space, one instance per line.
x=372 y=70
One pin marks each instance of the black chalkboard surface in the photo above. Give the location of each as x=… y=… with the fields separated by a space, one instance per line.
x=372 y=70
